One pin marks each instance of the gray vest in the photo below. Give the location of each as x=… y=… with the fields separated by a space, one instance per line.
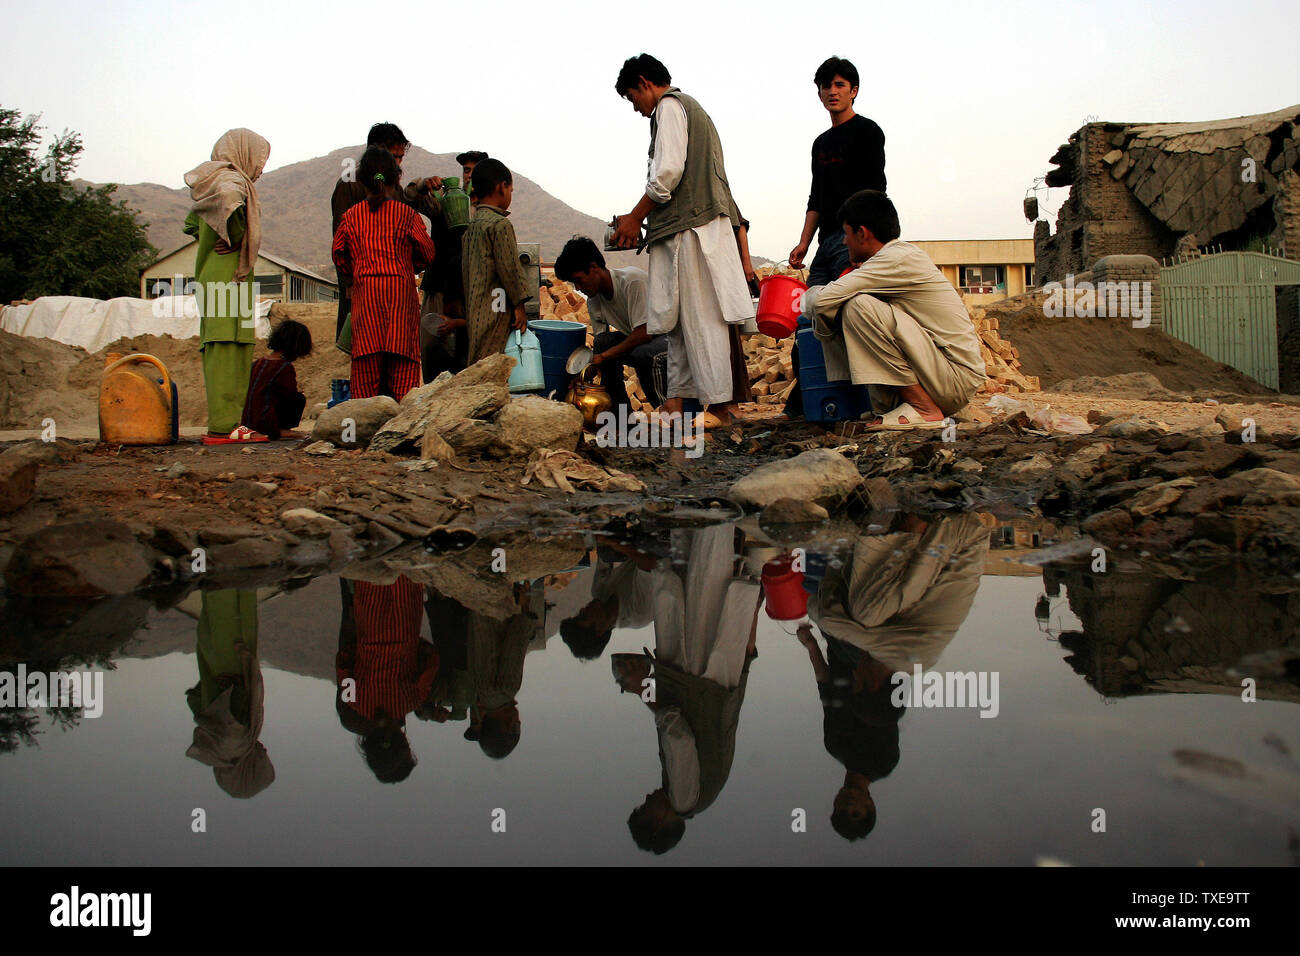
x=703 y=193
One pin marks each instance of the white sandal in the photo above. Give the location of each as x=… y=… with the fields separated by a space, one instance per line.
x=893 y=421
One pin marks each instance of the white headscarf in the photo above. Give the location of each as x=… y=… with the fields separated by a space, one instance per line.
x=221 y=186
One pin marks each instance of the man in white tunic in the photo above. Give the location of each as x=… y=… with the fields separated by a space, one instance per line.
x=697 y=283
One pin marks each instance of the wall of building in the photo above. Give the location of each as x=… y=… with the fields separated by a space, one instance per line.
x=1101 y=217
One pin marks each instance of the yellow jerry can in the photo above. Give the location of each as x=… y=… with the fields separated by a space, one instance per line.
x=137 y=403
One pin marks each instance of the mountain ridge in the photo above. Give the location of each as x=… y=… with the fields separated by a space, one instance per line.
x=296 y=209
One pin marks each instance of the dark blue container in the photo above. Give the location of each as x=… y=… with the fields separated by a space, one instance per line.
x=340 y=391
x=558 y=339
x=824 y=400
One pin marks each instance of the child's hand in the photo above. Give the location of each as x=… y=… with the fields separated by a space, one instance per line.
x=520 y=323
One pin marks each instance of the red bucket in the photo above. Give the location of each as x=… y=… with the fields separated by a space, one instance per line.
x=786 y=598
x=779 y=301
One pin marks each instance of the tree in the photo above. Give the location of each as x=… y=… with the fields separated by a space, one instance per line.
x=57 y=238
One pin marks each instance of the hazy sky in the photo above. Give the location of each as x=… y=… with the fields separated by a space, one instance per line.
x=973 y=98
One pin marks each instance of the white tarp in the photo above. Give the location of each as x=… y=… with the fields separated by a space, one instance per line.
x=95 y=323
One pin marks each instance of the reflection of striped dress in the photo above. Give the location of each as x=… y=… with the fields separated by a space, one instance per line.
x=381 y=250
x=393 y=667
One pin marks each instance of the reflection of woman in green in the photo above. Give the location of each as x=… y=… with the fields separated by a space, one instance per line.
x=229 y=701
x=227 y=221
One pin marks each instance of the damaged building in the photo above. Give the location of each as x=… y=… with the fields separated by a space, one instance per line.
x=1160 y=189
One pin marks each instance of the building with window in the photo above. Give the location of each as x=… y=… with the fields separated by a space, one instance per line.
x=277 y=279
x=984 y=270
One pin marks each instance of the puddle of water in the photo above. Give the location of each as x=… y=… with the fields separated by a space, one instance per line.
x=446 y=715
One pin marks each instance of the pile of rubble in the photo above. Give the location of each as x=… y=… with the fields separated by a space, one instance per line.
x=1001 y=358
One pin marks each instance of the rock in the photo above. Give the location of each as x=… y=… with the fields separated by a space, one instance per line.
x=471 y=437
x=55 y=452
x=79 y=558
x=1158 y=497
x=243 y=488
x=1268 y=486
x=434 y=448
x=529 y=423
x=251 y=552
x=791 y=511
x=1228 y=530
x=320 y=447
x=177 y=470
x=316 y=411
x=368 y=415
x=18 y=480
x=307 y=521
x=895 y=466
x=1136 y=427
x=1040 y=464
x=880 y=494
x=1083 y=464
x=820 y=475
x=967 y=466
x=438 y=400
x=1111 y=523
x=418 y=395
x=225 y=534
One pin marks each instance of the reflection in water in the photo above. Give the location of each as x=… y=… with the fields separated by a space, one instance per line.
x=876 y=604
x=705 y=614
x=897 y=601
x=229 y=701
x=385 y=671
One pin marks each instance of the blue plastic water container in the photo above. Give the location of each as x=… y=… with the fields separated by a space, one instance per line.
x=558 y=339
x=825 y=400
x=340 y=391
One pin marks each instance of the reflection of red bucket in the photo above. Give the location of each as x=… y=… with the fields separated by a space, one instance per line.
x=779 y=305
x=783 y=587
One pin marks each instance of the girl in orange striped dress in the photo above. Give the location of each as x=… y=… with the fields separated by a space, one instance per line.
x=381 y=243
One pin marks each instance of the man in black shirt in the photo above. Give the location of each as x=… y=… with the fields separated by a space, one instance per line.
x=846 y=158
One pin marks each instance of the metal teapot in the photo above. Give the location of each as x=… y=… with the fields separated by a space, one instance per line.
x=589 y=397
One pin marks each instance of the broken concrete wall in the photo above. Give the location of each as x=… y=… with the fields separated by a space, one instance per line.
x=1147 y=188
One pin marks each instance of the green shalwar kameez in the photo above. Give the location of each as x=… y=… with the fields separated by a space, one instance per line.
x=226 y=338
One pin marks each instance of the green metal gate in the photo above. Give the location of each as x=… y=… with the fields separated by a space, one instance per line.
x=1225 y=306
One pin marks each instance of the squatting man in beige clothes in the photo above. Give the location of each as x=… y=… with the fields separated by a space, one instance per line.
x=895 y=323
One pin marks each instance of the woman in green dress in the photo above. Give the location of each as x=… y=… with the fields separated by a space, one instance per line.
x=226 y=219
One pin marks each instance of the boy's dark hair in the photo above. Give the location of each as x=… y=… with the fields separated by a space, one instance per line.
x=291 y=339
x=835 y=66
x=488 y=175
x=377 y=170
x=584 y=641
x=388 y=754
x=386 y=135
x=578 y=255
x=471 y=156
x=637 y=67
x=660 y=841
x=852 y=829
x=873 y=209
x=495 y=737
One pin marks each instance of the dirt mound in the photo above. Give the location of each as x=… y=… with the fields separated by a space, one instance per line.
x=34 y=383
x=1135 y=385
x=1058 y=349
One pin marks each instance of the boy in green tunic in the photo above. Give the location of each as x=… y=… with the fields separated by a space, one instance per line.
x=226 y=219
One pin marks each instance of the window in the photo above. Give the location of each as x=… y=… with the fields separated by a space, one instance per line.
x=1029 y=275
x=325 y=293
x=982 y=278
x=297 y=288
x=269 y=285
x=163 y=285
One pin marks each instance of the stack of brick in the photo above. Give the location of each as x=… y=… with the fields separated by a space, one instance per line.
x=1001 y=358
